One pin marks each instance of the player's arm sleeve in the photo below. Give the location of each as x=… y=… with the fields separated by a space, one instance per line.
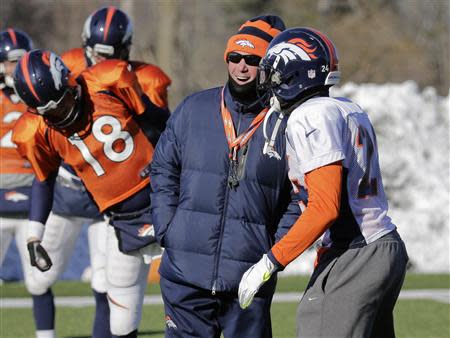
x=30 y=135
x=324 y=194
x=155 y=84
x=165 y=174
x=153 y=120
x=128 y=89
x=42 y=198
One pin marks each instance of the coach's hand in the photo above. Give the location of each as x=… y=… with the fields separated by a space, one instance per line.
x=253 y=279
x=38 y=255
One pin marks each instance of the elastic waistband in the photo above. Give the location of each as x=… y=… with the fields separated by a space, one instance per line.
x=393 y=235
x=360 y=241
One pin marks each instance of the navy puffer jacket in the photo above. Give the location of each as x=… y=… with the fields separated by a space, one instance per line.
x=213 y=233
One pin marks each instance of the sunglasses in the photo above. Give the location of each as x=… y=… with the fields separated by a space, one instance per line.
x=251 y=60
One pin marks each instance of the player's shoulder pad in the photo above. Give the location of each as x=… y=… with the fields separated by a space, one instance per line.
x=146 y=71
x=319 y=105
x=73 y=54
x=106 y=73
x=314 y=110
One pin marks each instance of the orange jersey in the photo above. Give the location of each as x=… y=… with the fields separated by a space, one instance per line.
x=324 y=194
x=74 y=60
x=110 y=154
x=154 y=82
x=10 y=160
x=152 y=79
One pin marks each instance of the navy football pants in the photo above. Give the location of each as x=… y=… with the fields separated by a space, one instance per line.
x=195 y=312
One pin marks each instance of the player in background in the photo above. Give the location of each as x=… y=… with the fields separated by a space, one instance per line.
x=107 y=34
x=97 y=124
x=332 y=152
x=16 y=173
x=17 y=177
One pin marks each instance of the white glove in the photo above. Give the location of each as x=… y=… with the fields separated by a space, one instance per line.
x=253 y=279
x=151 y=252
x=38 y=255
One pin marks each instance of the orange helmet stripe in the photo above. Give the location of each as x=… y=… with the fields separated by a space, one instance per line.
x=308 y=48
x=26 y=74
x=109 y=16
x=46 y=58
x=330 y=45
x=12 y=34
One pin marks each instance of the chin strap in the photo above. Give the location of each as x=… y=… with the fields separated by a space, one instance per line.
x=269 y=145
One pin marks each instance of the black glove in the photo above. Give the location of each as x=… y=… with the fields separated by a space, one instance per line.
x=38 y=256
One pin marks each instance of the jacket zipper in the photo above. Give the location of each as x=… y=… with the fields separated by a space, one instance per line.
x=222 y=221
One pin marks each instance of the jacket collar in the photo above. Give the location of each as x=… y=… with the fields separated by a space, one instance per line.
x=237 y=107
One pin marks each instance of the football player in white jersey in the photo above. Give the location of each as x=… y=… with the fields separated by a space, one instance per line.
x=333 y=155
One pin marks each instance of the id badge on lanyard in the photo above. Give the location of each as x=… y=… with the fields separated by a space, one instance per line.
x=239 y=142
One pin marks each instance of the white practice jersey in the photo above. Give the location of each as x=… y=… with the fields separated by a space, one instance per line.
x=324 y=130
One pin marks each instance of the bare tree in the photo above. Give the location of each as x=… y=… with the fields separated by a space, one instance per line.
x=378 y=41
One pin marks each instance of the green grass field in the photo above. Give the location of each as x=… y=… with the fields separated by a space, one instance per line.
x=414 y=318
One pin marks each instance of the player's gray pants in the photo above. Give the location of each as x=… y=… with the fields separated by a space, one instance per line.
x=352 y=292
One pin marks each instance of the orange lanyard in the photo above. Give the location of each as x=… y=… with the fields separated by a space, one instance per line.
x=236 y=143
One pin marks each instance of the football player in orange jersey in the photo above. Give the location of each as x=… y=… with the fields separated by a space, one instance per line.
x=107 y=34
x=97 y=124
x=16 y=173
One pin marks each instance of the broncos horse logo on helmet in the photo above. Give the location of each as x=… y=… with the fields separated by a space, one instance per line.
x=107 y=32
x=291 y=50
x=299 y=63
x=42 y=81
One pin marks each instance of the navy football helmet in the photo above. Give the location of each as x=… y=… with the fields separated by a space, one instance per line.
x=41 y=80
x=107 y=32
x=13 y=44
x=299 y=63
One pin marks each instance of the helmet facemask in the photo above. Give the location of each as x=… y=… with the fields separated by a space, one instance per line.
x=6 y=79
x=63 y=113
x=288 y=86
x=7 y=67
x=300 y=63
x=101 y=51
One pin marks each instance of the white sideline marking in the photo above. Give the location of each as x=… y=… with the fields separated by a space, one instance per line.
x=440 y=295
